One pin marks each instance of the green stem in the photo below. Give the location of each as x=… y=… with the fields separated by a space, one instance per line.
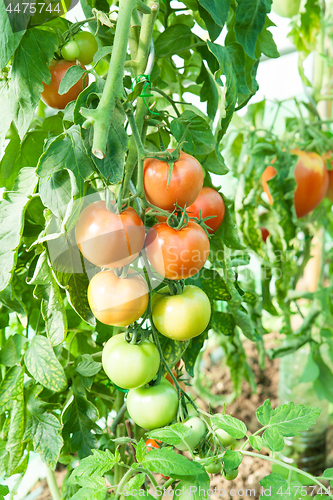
x=167 y=97
x=168 y=483
x=113 y=90
x=123 y=482
x=52 y=484
x=119 y=404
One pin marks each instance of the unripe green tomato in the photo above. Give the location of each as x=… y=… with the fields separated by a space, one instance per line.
x=286 y=8
x=230 y=474
x=192 y=412
x=130 y=366
x=224 y=438
x=198 y=430
x=153 y=407
x=70 y=51
x=214 y=468
x=87 y=45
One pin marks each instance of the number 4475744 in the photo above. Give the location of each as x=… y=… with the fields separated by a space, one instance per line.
x=301 y=491
x=33 y=7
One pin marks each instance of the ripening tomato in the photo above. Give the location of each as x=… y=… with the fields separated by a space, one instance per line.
x=87 y=46
x=210 y=203
x=311 y=177
x=117 y=301
x=109 y=239
x=185 y=183
x=154 y=406
x=130 y=365
x=330 y=186
x=264 y=233
x=152 y=443
x=177 y=254
x=182 y=316
x=198 y=431
x=180 y=382
x=286 y=8
x=50 y=93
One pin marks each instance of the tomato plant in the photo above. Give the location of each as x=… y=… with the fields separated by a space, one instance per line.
x=210 y=203
x=117 y=301
x=177 y=254
x=182 y=316
x=119 y=358
x=109 y=239
x=154 y=406
x=183 y=187
x=51 y=95
x=87 y=46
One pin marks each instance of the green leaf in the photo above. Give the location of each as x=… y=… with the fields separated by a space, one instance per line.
x=6 y=114
x=232 y=459
x=273 y=439
x=174 y=39
x=208 y=92
x=169 y=463
x=29 y=70
x=277 y=487
x=199 y=138
x=172 y=434
x=67 y=151
x=87 y=367
x=194 y=347
x=256 y=442
x=311 y=371
x=193 y=488
x=12 y=209
x=43 y=365
x=227 y=232
x=96 y=464
x=15 y=445
x=265 y=43
x=4 y=490
x=9 y=39
x=217 y=9
x=79 y=425
x=58 y=193
x=11 y=388
x=236 y=428
x=223 y=323
x=52 y=305
x=44 y=429
x=250 y=20
x=70 y=78
x=172 y=349
x=211 y=282
x=10 y=354
x=213 y=162
x=264 y=412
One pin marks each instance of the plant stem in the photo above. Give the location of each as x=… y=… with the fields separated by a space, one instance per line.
x=113 y=90
x=168 y=98
x=123 y=482
x=52 y=484
x=119 y=404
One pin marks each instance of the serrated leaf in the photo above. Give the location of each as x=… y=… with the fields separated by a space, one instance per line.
x=58 y=192
x=141 y=450
x=273 y=439
x=11 y=388
x=213 y=162
x=174 y=38
x=70 y=78
x=80 y=426
x=87 y=367
x=264 y=412
x=10 y=354
x=29 y=70
x=172 y=434
x=256 y=442
x=236 y=428
x=96 y=464
x=232 y=459
x=12 y=209
x=15 y=445
x=193 y=488
x=218 y=10
x=44 y=366
x=172 y=349
x=250 y=20
x=171 y=464
x=199 y=138
x=223 y=323
x=212 y=283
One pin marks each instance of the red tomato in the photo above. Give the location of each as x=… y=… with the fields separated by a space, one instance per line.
x=330 y=186
x=117 y=301
x=152 y=443
x=210 y=202
x=108 y=239
x=264 y=233
x=177 y=254
x=311 y=177
x=50 y=94
x=185 y=184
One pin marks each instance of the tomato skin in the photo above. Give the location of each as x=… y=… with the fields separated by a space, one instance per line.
x=87 y=46
x=154 y=406
x=70 y=51
x=210 y=202
x=312 y=180
x=198 y=430
x=214 y=468
x=152 y=443
x=115 y=301
x=107 y=239
x=264 y=233
x=130 y=366
x=183 y=316
x=185 y=184
x=286 y=8
x=230 y=474
x=177 y=254
x=50 y=93
x=224 y=438
x=180 y=382
x=330 y=186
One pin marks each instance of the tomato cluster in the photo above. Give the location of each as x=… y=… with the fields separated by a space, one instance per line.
x=119 y=296
x=83 y=47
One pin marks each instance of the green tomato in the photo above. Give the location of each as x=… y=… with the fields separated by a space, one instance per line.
x=214 y=468
x=70 y=51
x=87 y=45
x=198 y=430
x=286 y=8
x=191 y=411
x=130 y=366
x=183 y=316
x=154 y=406
x=230 y=474
x=224 y=438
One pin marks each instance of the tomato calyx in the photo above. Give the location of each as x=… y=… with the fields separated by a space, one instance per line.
x=201 y=221
x=176 y=287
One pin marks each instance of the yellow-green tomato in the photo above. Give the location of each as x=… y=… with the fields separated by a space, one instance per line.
x=183 y=316
x=154 y=406
x=87 y=45
x=286 y=8
x=128 y=365
x=214 y=468
x=198 y=430
x=224 y=438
